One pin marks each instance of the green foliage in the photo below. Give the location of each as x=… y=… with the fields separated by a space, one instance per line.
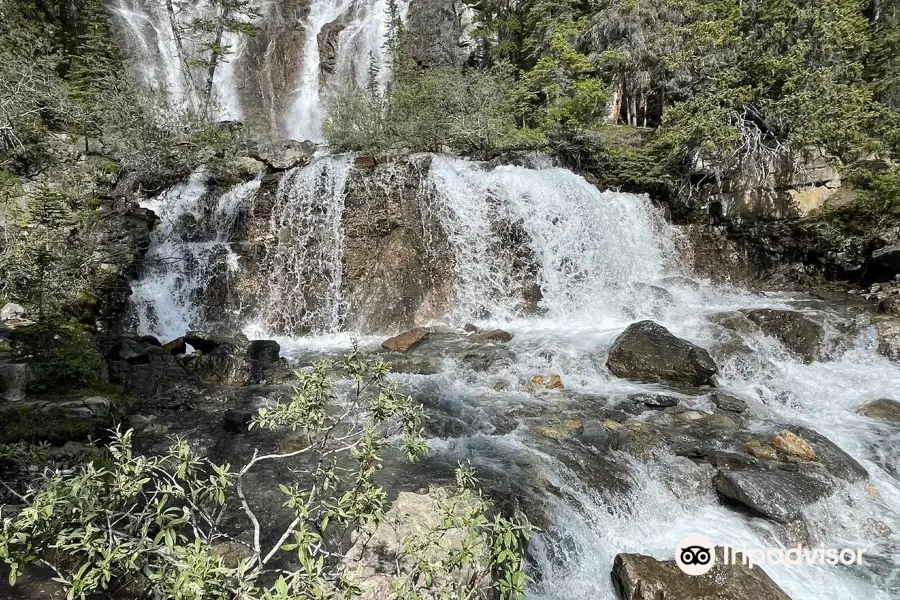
x=157 y=522
x=62 y=357
x=53 y=426
x=874 y=207
x=471 y=112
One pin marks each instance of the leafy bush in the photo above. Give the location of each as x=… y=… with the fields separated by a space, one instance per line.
x=61 y=356
x=159 y=523
x=471 y=112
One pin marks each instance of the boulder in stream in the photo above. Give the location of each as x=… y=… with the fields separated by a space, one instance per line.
x=883 y=409
x=780 y=495
x=406 y=341
x=796 y=332
x=647 y=351
x=640 y=577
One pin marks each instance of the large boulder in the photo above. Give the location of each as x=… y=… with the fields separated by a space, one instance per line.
x=418 y=520
x=640 y=577
x=286 y=154
x=883 y=409
x=780 y=495
x=886 y=261
x=211 y=342
x=796 y=332
x=11 y=311
x=647 y=351
x=888 y=331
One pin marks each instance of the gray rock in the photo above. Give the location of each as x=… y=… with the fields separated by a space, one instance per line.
x=175 y=347
x=883 y=409
x=237 y=420
x=888 y=331
x=835 y=461
x=11 y=311
x=640 y=577
x=286 y=154
x=779 y=495
x=647 y=351
x=887 y=259
x=654 y=400
x=133 y=351
x=211 y=342
x=729 y=403
x=98 y=405
x=797 y=332
x=494 y=335
x=265 y=352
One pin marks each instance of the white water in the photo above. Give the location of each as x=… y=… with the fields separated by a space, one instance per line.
x=166 y=299
x=593 y=251
x=361 y=46
x=153 y=51
x=306 y=257
x=592 y=248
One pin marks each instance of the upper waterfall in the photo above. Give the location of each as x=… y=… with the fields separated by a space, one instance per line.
x=278 y=81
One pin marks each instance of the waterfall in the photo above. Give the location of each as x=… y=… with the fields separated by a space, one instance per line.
x=160 y=49
x=185 y=256
x=361 y=50
x=588 y=246
x=306 y=263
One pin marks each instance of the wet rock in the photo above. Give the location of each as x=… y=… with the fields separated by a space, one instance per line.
x=134 y=352
x=566 y=428
x=406 y=341
x=265 y=352
x=646 y=351
x=540 y=383
x=237 y=420
x=211 y=342
x=776 y=494
x=761 y=449
x=640 y=577
x=175 y=347
x=286 y=154
x=890 y=306
x=494 y=335
x=888 y=331
x=139 y=422
x=654 y=400
x=150 y=340
x=729 y=403
x=11 y=311
x=794 y=330
x=883 y=409
x=834 y=460
x=886 y=260
x=793 y=445
x=469 y=328
x=327 y=41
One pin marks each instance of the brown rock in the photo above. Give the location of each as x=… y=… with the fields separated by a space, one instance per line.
x=794 y=445
x=761 y=449
x=406 y=341
x=555 y=383
x=639 y=577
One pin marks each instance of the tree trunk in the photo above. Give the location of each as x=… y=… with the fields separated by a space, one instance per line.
x=614 y=114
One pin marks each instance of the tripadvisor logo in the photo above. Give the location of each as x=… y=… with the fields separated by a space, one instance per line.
x=696 y=555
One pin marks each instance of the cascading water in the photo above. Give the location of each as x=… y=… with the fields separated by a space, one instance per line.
x=161 y=46
x=306 y=262
x=361 y=51
x=589 y=247
x=166 y=299
x=602 y=260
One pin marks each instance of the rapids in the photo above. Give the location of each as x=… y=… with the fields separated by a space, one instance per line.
x=595 y=253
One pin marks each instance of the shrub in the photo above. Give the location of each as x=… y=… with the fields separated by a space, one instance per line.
x=62 y=356
x=157 y=522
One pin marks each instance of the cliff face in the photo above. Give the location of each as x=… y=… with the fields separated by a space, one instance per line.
x=277 y=81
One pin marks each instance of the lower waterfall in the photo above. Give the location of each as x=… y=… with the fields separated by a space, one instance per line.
x=599 y=261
